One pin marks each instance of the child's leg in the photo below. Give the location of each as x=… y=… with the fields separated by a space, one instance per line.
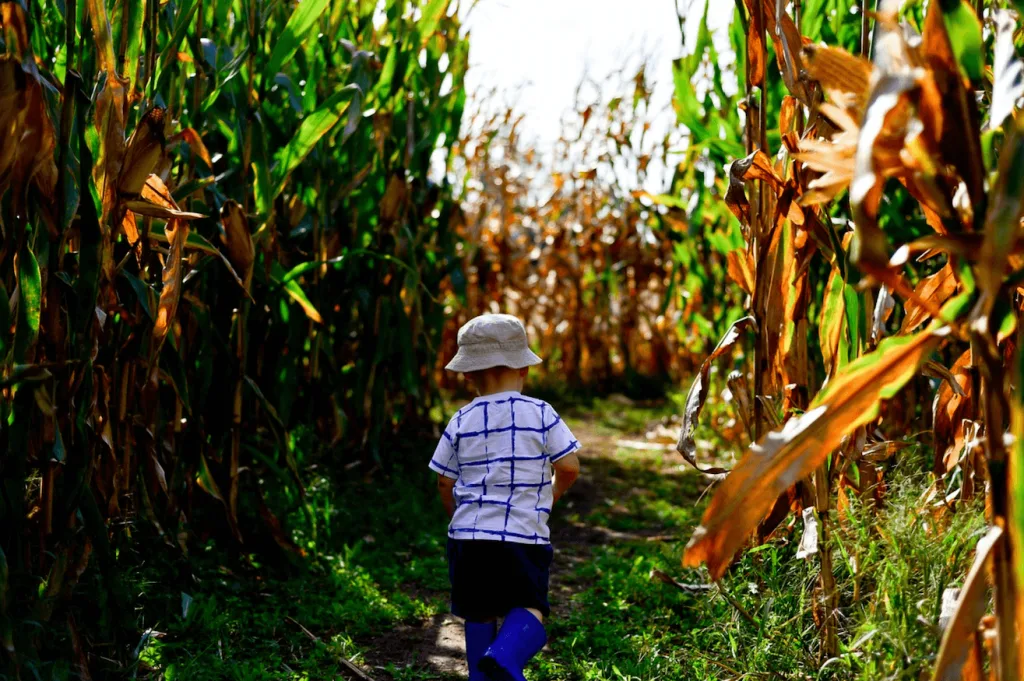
x=521 y=637
x=479 y=637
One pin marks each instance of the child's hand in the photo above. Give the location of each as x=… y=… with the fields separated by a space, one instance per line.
x=567 y=469
x=446 y=488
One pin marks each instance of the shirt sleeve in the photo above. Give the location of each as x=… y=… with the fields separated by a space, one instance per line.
x=444 y=462
x=559 y=441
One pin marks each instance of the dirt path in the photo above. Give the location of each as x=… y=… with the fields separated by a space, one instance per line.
x=435 y=647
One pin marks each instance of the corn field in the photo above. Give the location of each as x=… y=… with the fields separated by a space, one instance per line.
x=231 y=228
x=874 y=164
x=219 y=220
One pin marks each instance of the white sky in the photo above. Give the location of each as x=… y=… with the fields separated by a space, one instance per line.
x=535 y=51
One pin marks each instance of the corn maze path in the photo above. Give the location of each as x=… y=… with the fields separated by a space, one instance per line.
x=609 y=471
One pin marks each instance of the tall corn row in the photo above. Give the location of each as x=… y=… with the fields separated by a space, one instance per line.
x=572 y=244
x=882 y=133
x=218 y=219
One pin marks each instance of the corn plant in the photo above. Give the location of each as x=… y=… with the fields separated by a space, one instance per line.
x=218 y=220
x=904 y=128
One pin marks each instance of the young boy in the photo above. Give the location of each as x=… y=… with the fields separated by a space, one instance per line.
x=502 y=463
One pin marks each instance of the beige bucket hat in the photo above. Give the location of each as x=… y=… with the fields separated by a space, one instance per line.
x=492 y=340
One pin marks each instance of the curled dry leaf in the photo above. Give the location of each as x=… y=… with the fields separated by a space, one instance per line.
x=152 y=210
x=170 y=294
x=957 y=639
x=23 y=118
x=757 y=166
x=699 y=392
x=884 y=306
x=14 y=25
x=741 y=269
x=787 y=115
x=938 y=287
x=834 y=157
x=952 y=406
x=156 y=202
x=935 y=370
x=832 y=324
x=787 y=41
x=881 y=137
x=192 y=139
x=740 y=390
x=110 y=123
x=755 y=48
x=736 y=194
x=773 y=465
x=130 y=228
x=844 y=77
x=948 y=111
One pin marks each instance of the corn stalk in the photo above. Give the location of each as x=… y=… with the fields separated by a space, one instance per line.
x=159 y=166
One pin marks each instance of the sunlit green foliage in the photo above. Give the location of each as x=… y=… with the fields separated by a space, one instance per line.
x=220 y=219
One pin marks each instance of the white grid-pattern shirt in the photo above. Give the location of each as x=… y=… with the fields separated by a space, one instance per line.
x=499 y=449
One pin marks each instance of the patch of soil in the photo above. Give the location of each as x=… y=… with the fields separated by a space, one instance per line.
x=436 y=644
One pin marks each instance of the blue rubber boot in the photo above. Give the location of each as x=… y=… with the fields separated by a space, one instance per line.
x=479 y=637
x=521 y=637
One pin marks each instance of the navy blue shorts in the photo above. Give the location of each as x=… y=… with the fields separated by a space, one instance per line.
x=489 y=578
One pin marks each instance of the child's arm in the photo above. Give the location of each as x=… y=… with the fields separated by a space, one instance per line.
x=567 y=469
x=446 y=489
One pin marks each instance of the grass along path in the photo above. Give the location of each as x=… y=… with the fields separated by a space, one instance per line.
x=375 y=592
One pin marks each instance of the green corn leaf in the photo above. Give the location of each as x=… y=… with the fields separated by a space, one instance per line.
x=143 y=292
x=262 y=192
x=313 y=128
x=431 y=17
x=964 y=31
x=295 y=291
x=30 y=306
x=186 y=12
x=262 y=187
x=302 y=20
x=204 y=476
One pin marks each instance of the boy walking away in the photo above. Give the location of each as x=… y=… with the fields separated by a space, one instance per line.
x=502 y=463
